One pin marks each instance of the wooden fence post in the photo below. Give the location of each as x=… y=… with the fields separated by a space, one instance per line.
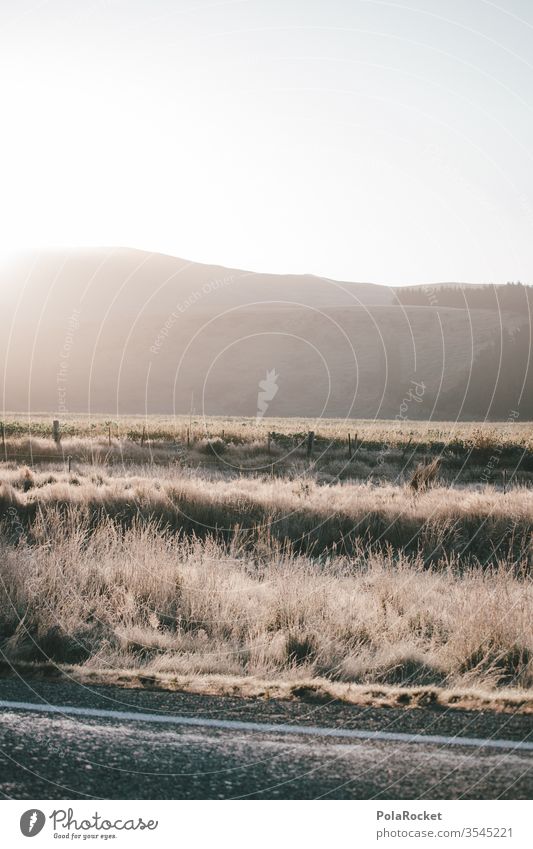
x=56 y=431
x=504 y=476
x=143 y=436
x=406 y=447
x=310 y=441
x=188 y=437
x=69 y=463
x=269 y=437
x=349 y=446
x=4 y=446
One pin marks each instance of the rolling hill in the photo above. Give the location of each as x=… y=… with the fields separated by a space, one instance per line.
x=122 y=331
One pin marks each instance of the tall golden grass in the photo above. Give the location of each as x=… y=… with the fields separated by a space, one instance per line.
x=477 y=524
x=236 y=555
x=148 y=598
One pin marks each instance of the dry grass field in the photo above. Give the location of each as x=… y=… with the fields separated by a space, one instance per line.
x=243 y=430
x=218 y=552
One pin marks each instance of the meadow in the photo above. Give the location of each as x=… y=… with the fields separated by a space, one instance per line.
x=226 y=550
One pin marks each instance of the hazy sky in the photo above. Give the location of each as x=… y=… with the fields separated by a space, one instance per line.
x=357 y=139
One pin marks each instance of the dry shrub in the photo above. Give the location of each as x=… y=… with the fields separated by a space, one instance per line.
x=483 y=440
x=424 y=475
x=214 y=445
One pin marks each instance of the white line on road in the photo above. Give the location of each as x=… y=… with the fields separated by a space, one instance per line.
x=270 y=728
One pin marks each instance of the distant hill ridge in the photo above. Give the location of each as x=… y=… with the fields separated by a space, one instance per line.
x=125 y=331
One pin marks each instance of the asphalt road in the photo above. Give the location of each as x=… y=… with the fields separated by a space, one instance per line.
x=243 y=748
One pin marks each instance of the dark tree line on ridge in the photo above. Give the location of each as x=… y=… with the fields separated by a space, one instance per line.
x=508 y=297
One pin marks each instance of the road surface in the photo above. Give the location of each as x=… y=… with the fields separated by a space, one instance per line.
x=67 y=741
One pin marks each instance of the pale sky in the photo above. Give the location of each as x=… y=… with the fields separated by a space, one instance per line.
x=364 y=140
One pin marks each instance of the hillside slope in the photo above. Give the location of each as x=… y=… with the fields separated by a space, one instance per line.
x=124 y=331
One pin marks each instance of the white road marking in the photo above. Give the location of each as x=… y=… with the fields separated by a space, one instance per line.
x=270 y=728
